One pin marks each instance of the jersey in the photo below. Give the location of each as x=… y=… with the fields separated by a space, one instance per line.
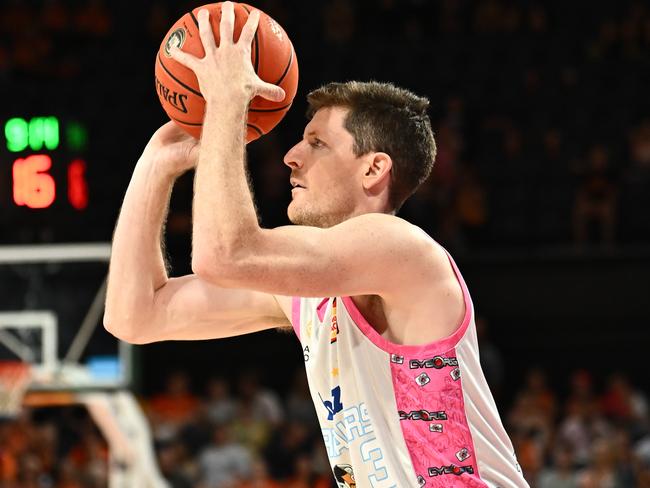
x=396 y=416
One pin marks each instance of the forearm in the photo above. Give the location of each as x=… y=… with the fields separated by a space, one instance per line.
x=137 y=267
x=224 y=213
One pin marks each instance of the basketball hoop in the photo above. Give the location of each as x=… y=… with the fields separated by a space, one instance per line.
x=14 y=380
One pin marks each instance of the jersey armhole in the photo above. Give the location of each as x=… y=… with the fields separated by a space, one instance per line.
x=295 y=315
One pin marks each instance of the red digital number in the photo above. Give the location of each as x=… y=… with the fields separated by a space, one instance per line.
x=33 y=186
x=77 y=186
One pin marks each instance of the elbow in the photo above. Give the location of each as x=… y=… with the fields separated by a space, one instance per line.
x=125 y=330
x=221 y=272
x=228 y=263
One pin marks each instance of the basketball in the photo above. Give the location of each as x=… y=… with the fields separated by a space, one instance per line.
x=272 y=55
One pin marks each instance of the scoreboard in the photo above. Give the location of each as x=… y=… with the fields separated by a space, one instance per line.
x=43 y=164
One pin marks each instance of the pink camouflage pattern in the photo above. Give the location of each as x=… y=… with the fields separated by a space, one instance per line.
x=429 y=398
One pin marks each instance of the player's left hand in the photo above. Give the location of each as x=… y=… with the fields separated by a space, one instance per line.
x=226 y=71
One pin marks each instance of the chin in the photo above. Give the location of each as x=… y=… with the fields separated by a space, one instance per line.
x=303 y=216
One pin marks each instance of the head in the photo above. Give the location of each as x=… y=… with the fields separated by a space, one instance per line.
x=366 y=148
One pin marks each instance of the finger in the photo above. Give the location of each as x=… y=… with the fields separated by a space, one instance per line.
x=271 y=92
x=183 y=58
x=248 y=32
x=205 y=31
x=227 y=24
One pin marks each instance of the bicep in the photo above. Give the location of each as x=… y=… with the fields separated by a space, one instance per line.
x=190 y=308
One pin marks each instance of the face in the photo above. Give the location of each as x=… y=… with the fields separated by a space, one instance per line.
x=325 y=173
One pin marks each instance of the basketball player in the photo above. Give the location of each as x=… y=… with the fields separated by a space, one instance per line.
x=383 y=315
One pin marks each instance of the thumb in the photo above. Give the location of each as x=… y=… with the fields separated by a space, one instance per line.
x=271 y=92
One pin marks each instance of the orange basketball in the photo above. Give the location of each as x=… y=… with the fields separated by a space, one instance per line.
x=272 y=55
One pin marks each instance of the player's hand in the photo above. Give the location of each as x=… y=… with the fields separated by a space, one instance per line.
x=226 y=71
x=173 y=150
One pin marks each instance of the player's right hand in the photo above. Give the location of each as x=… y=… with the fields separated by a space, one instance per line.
x=173 y=150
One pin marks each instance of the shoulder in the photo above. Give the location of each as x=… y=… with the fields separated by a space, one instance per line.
x=406 y=235
x=409 y=248
x=391 y=227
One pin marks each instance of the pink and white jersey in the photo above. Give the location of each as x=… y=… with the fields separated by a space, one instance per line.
x=396 y=416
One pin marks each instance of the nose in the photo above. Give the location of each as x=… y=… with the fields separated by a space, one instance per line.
x=293 y=157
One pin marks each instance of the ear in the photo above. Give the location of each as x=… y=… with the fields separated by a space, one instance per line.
x=377 y=171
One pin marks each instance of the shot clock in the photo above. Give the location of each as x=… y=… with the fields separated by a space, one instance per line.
x=44 y=163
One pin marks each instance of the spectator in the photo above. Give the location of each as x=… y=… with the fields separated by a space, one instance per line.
x=622 y=403
x=264 y=403
x=259 y=477
x=595 y=200
x=540 y=394
x=580 y=428
x=635 y=184
x=624 y=458
x=531 y=434
x=560 y=474
x=173 y=408
x=580 y=389
x=287 y=443
x=224 y=463
x=601 y=472
x=94 y=18
x=305 y=477
x=471 y=203
x=220 y=405
x=176 y=466
x=90 y=457
x=249 y=430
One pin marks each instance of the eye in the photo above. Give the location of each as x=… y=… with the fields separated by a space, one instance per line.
x=316 y=143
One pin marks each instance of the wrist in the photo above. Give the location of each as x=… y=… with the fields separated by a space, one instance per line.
x=156 y=168
x=234 y=97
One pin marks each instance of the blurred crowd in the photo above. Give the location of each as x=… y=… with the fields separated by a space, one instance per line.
x=236 y=433
x=596 y=435
x=540 y=111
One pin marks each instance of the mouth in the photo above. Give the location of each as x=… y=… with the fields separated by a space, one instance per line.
x=296 y=186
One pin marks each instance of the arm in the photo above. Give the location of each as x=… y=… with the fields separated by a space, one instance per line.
x=370 y=254
x=142 y=303
x=373 y=254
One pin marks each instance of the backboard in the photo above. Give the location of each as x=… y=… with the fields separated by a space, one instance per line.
x=51 y=308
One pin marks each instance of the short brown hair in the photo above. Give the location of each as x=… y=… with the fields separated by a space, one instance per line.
x=385 y=118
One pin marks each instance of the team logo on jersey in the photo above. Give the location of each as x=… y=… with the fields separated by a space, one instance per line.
x=437 y=428
x=451 y=469
x=463 y=454
x=421 y=481
x=334 y=328
x=344 y=476
x=394 y=358
x=455 y=374
x=437 y=362
x=425 y=415
x=422 y=379
x=334 y=406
